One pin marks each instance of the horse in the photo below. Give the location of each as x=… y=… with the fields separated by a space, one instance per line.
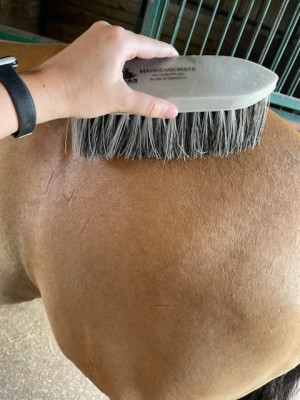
x=176 y=279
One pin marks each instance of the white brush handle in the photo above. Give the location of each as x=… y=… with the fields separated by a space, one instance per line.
x=202 y=83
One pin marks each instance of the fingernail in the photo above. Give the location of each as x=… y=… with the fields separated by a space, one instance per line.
x=170 y=112
x=175 y=52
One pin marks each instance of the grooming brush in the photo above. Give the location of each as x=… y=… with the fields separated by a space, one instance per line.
x=222 y=103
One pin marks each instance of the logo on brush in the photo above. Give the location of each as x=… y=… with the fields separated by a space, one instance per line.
x=128 y=76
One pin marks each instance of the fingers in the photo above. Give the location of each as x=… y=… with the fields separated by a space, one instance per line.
x=144 y=47
x=130 y=44
x=86 y=78
x=143 y=104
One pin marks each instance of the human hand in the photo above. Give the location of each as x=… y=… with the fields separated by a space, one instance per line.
x=86 y=80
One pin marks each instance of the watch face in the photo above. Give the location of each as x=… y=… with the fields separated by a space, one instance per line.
x=9 y=60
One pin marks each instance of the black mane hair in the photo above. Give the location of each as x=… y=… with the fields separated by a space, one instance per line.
x=281 y=388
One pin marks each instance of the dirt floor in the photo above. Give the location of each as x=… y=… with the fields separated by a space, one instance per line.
x=32 y=366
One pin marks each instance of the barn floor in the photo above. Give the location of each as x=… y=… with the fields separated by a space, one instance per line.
x=32 y=366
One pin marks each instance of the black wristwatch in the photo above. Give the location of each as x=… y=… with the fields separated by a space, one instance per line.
x=19 y=94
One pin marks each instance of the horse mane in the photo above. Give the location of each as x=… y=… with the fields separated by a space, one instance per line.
x=281 y=388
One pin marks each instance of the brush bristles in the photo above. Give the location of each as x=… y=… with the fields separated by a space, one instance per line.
x=190 y=135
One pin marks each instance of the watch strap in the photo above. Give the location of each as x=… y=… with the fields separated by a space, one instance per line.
x=21 y=99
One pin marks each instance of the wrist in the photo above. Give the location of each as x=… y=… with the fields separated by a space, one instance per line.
x=47 y=93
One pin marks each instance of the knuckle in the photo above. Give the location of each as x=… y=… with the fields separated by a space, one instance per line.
x=116 y=34
x=152 y=109
x=99 y=24
x=113 y=33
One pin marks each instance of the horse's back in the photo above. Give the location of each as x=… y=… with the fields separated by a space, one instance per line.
x=186 y=270
x=169 y=262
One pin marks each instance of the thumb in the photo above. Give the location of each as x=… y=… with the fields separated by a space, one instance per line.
x=149 y=106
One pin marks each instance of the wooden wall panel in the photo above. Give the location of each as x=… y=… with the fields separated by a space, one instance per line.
x=21 y=14
x=66 y=19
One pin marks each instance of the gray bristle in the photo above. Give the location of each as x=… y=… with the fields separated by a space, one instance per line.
x=189 y=135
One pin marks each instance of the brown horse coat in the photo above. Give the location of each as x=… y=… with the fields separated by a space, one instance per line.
x=160 y=280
